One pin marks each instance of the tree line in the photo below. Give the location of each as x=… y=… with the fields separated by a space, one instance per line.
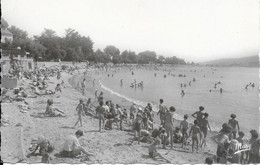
x=48 y=46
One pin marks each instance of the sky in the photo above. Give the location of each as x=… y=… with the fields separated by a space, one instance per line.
x=194 y=30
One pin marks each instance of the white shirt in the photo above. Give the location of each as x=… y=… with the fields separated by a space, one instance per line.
x=71 y=143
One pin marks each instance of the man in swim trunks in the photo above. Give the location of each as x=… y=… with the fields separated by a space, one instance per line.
x=162 y=111
x=204 y=128
x=72 y=147
x=100 y=110
x=168 y=125
x=234 y=125
x=184 y=125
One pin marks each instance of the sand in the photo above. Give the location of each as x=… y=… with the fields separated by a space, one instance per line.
x=108 y=147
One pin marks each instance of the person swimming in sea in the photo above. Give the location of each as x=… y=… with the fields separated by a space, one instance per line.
x=221 y=90
x=182 y=93
x=121 y=82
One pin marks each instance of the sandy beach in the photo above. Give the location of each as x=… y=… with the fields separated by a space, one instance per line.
x=108 y=147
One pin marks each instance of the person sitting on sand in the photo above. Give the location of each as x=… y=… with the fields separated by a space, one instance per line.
x=80 y=112
x=195 y=130
x=52 y=111
x=168 y=125
x=177 y=135
x=58 y=88
x=204 y=128
x=100 y=114
x=208 y=160
x=153 y=152
x=198 y=115
x=234 y=125
x=72 y=148
x=45 y=148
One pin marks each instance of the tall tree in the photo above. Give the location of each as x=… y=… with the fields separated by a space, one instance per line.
x=146 y=57
x=4 y=23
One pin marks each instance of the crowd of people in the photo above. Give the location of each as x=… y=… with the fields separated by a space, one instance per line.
x=141 y=121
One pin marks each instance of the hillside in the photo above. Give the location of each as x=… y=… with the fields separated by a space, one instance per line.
x=252 y=61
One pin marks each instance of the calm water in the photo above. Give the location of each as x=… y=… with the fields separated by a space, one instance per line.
x=234 y=99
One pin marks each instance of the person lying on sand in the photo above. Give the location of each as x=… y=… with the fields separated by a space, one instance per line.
x=42 y=92
x=153 y=152
x=72 y=148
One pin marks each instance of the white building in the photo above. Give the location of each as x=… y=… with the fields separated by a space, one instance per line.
x=6 y=36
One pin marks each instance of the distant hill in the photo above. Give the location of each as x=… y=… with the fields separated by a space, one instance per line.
x=252 y=61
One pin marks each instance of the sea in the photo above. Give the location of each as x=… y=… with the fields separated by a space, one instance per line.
x=166 y=84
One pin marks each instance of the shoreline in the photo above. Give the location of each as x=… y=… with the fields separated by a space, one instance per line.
x=111 y=146
x=211 y=146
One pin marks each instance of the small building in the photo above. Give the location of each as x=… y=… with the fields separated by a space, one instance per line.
x=6 y=36
x=18 y=58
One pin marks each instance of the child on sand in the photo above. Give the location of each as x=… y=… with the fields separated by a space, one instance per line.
x=234 y=125
x=198 y=115
x=184 y=125
x=45 y=149
x=204 y=128
x=100 y=114
x=153 y=152
x=80 y=112
x=195 y=130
